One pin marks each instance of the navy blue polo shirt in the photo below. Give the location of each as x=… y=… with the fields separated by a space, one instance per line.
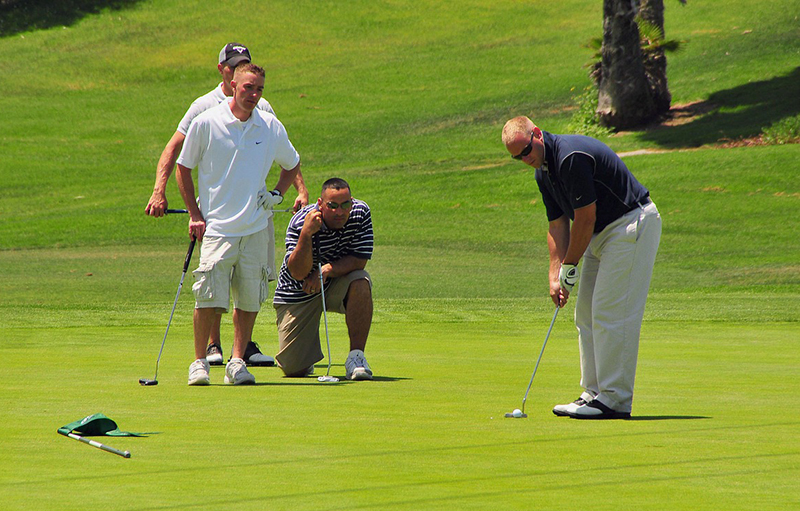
x=580 y=170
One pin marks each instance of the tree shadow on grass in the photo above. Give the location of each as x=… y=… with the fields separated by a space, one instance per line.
x=731 y=115
x=24 y=15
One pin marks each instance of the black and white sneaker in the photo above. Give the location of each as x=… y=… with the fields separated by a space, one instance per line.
x=597 y=410
x=565 y=410
x=214 y=355
x=254 y=357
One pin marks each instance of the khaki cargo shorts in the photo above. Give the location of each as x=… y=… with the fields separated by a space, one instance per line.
x=240 y=267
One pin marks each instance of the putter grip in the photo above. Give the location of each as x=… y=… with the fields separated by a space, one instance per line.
x=189 y=255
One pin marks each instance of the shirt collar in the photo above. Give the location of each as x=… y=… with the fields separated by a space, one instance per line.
x=254 y=119
x=219 y=94
x=545 y=141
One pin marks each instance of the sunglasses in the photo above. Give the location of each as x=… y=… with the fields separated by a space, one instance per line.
x=525 y=152
x=344 y=205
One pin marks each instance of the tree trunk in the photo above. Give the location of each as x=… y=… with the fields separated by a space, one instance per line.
x=655 y=63
x=624 y=99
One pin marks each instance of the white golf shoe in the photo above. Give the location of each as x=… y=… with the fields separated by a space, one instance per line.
x=597 y=410
x=236 y=373
x=198 y=372
x=565 y=410
x=356 y=367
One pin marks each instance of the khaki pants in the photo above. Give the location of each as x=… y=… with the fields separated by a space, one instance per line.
x=615 y=279
x=298 y=324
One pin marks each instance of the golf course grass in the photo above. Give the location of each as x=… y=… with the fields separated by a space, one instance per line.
x=406 y=101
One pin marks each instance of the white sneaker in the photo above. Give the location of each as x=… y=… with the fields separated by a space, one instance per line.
x=236 y=372
x=356 y=367
x=198 y=372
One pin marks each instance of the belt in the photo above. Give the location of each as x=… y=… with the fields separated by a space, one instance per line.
x=641 y=203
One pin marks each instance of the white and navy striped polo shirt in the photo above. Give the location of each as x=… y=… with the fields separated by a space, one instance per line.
x=354 y=239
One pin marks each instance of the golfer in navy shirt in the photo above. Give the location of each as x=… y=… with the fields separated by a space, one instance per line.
x=598 y=213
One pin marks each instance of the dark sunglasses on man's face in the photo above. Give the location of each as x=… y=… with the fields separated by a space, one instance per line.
x=344 y=205
x=525 y=152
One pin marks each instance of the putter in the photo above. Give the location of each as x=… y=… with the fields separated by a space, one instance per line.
x=520 y=414
x=327 y=378
x=144 y=381
x=124 y=454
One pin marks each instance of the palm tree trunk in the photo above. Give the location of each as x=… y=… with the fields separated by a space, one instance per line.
x=655 y=63
x=624 y=99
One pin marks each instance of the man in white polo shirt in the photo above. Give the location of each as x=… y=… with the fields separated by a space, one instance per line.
x=233 y=146
x=231 y=55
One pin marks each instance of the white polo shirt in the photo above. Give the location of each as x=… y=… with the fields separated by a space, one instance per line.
x=210 y=100
x=233 y=160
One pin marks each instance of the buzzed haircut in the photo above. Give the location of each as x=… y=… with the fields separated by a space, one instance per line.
x=336 y=183
x=249 y=67
x=516 y=125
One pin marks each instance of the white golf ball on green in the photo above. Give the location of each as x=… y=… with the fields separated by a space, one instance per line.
x=517 y=413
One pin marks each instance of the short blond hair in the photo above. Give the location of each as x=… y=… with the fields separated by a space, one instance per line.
x=248 y=67
x=515 y=126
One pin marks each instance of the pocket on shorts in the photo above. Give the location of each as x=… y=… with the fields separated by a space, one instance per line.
x=263 y=293
x=203 y=287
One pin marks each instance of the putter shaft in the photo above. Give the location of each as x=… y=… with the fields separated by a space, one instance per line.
x=154 y=381
x=327 y=378
x=546 y=337
x=325 y=316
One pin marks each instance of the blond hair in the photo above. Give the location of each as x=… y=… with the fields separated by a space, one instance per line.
x=248 y=67
x=516 y=126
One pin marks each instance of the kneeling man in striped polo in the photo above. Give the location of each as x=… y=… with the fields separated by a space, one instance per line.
x=333 y=236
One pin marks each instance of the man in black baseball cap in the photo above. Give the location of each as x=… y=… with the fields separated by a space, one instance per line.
x=234 y=54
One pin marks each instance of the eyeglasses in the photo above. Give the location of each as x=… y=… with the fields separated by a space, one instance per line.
x=344 y=205
x=525 y=152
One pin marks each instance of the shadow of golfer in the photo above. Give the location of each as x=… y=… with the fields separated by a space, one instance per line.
x=667 y=417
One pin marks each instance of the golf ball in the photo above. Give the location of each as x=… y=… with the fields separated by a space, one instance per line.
x=517 y=413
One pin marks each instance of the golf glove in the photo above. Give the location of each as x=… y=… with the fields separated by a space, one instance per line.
x=568 y=276
x=268 y=200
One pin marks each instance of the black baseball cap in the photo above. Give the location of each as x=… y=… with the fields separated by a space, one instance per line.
x=233 y=54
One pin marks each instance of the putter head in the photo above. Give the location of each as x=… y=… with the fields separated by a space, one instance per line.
x=510 y=415
x=144 y=382
x=328 y=379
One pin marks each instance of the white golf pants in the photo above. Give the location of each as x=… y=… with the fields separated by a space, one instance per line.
x=615 y=278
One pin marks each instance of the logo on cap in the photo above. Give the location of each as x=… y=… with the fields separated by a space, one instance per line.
x=233 y=53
